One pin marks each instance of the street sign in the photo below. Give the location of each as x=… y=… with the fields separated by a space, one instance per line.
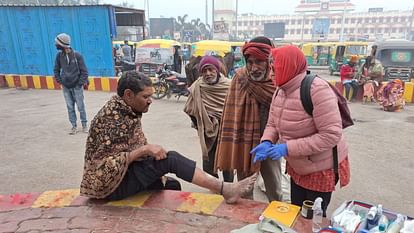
x=177 y=36
x=188 y=33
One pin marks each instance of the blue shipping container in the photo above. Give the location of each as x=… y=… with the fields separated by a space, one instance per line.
x=27 y=36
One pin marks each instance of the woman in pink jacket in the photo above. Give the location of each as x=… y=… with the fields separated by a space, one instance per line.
x=305 y=142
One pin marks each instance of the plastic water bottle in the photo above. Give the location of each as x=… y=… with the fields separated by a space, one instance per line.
x=317 y=215
x=396 y=226
x=382 y=220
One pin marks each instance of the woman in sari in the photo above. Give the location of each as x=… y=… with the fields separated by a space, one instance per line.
x=391 y=96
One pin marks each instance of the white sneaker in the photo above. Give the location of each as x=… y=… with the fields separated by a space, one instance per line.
x=73 y=131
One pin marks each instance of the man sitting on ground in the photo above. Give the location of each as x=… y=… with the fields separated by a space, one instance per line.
x=118 y=160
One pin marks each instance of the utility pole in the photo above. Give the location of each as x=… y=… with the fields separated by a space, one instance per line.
x=341 y=37
x=148 y=9
x=206 y=11
x=237 y=22
x=410 y=28
x=212 y=17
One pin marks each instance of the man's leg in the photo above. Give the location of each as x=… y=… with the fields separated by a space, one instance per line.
x=355 y=87
x=70 y=105
x=81 y=105
x=208 y=166
x=271 y=171
x=142 y=174
x=347 y=90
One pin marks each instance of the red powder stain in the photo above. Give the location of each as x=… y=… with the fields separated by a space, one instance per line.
x=188 y=198
x=20 y=199
x=184 y=196
x=58 y=198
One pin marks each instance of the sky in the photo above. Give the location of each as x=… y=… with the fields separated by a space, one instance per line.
x=196 y=8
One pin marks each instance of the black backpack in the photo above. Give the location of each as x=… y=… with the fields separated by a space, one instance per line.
x=306 y=99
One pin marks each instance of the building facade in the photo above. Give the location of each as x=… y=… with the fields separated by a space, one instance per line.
x=224 y=17
x=329 y=21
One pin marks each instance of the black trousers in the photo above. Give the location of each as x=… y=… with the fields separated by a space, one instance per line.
x=299 y=194
x=146 y=175
x=348 y=86
x=208 y=165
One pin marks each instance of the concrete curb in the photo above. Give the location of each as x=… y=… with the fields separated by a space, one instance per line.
x=110 y=84
x=48 y=82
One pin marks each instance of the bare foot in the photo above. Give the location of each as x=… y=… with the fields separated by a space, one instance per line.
x=233 y=191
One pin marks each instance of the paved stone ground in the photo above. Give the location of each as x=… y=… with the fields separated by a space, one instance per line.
x=37 y=154
x=166 y=211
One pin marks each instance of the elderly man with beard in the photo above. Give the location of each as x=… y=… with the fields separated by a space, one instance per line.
x=245 y=115
x=205 y=107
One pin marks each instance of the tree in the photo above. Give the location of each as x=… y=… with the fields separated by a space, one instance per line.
x=91 y=2
x=198 y=28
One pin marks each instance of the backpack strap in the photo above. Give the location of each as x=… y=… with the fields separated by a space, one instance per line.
x=306 y=99
x=305 y=95
x=335 y=163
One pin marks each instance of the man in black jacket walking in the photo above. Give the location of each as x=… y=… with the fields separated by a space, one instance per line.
x=71 y=72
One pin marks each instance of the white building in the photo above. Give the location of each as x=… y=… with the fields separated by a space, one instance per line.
x=322 y=20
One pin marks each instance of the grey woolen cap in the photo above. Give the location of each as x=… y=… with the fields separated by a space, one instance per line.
x=63 y=40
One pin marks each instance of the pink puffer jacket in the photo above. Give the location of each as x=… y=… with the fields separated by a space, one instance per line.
x=309 y=140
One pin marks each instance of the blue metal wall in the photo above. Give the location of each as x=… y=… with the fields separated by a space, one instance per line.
x=27 y=35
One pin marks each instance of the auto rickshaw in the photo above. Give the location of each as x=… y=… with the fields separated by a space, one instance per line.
x=212 y=47
x=151 y=54
x=318 y=53
x=397 y=58
x=344 y=51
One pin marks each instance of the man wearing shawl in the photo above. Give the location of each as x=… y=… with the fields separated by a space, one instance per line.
x=119 y=161
x=245 y=116
x=205 y=107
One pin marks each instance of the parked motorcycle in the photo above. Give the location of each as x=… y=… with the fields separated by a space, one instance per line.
x=170 y=83
x=123 y=66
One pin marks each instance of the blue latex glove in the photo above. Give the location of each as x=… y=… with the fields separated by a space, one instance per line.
x=261 y=151
x=277 y=151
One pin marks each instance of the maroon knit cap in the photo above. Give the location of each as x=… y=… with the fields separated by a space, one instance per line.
x=209 y=60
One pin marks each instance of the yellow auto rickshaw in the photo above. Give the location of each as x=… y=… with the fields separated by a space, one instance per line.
x=343 y=52
x=319 y=53
x=212 y=47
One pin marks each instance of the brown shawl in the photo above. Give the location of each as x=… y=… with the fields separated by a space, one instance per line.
x=115 y=131
x=240 y=127
x=206 y=103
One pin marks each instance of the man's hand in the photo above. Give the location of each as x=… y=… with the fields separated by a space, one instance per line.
x=156 y=151
x=152 y=150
